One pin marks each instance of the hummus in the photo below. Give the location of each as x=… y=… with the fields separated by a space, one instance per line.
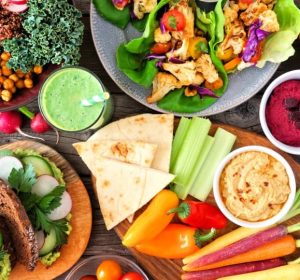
x=254 y=186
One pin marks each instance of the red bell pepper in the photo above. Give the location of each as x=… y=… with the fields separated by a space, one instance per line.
x=200 y=215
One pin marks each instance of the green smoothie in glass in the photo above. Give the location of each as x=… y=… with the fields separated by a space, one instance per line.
x=61 y=95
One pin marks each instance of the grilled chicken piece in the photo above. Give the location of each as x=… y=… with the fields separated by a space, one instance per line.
x=189 y=30
x=205 y=66
x=269 y=21
x=141 y=7
x=185 y=72
x=252 y=13
x=160 y=37
x=231 y=12
x=163 y=83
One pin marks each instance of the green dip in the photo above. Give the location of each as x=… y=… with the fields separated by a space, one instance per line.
x=60 y=99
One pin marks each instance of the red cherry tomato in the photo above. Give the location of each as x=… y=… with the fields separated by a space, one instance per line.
x=173 y=20
x=132 y=276
x=246 y=1
x=120 y=4
x=109 y=270
x=161 y=48
x=88 y=277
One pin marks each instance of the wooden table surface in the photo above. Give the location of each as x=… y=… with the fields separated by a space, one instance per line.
x=104 y=242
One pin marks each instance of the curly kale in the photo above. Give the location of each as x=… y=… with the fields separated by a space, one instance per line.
x=53 y=33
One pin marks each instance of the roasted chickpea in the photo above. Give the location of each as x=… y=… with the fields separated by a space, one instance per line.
x=5 y=56
x=6 y=95
x=2 y=79
x=8 y=84
x=28 y=83
x=20 y=84
x=3 y=63
x=19 y=73
x=14 y=77
x=6 y=71
x=37 y=69
x=13 y=90
x=28 y=75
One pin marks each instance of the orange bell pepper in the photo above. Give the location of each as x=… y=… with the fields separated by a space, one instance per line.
x=153 y=220
x=176 y=241
x=215 y=85
x=232 y=64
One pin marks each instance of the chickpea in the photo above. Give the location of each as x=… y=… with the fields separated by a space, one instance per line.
x=20 y=84
x=28 y=83
x=8 y=84
x=5 y=56
x=19 y=73
x=14 y=77
x=6 y=71
x=28 y=76
x=6 y=95
x=3 y=63
x=37 y=69
x=2 y=79
x=13 y=90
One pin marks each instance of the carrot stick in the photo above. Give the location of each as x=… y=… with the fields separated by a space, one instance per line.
x=221 y=242
x=278 y=248
x=232 y=64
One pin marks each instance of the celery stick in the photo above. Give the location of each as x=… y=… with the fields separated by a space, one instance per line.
x=180 y=135
x=183 y=190
x=222 y=146
x=190 y=150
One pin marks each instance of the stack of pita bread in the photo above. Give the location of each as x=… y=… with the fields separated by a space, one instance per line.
x=130 y=160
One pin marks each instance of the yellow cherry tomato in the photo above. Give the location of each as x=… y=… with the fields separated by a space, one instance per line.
x=109 y=270
x=197 y=46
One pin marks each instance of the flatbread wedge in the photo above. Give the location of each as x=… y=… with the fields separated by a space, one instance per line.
x=149 y=128
x=136 y=152
x=123 y=188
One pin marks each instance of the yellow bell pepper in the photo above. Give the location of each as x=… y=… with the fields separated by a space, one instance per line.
x=153 y=220
x=225 y=54
x=197 y=46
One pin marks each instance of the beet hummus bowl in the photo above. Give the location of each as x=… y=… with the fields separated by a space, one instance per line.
x=280 y=112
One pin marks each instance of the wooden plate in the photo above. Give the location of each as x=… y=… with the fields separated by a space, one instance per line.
x=81 y=218
x=171 y=269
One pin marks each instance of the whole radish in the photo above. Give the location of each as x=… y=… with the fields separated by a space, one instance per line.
x=38 y=124
x=10 y=122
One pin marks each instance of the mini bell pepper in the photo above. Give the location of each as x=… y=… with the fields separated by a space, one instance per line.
x=176 y=241
x=153 y=220
x=200 y=215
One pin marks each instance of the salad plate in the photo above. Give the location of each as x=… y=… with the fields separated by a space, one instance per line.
x=242 y=85
x=81 y=221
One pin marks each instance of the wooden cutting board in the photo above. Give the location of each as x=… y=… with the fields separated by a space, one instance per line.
x=164 y=269
x=81 y=217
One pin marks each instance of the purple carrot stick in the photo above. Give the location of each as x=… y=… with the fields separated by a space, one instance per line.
x=243 y=245
x=213 y=274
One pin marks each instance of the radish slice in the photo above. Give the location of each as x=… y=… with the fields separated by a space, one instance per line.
x=7 y=163
x=63 y=210
x=15 y=8
x=18 y=2
x=40 y=238
x=44 y=185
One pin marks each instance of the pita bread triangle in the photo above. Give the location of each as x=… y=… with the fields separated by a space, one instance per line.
x=123 y=188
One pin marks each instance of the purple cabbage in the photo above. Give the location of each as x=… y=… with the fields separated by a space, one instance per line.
x=202 y=91
x=132 y=14
x=162 y=27
x=176 y=60
x=255 y=36
x=151 y=56
x=159 y=65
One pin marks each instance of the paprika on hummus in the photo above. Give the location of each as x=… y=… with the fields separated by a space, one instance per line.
x=254 y=186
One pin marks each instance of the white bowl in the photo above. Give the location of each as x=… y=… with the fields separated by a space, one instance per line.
x=292 y=75
x=273 y=220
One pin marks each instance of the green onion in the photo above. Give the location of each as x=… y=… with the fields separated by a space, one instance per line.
x=222 y=146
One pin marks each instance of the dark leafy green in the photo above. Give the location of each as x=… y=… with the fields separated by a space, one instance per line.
x=53 y=34
x=107 y=10
x=140 y=24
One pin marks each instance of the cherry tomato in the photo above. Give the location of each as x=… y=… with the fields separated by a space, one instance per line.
x=246 y=1
x=88 y=277
x=161 y=48
x=132 y=276
x=173 y=20
x=109 y=270
x=259 y=52
x=120 y=4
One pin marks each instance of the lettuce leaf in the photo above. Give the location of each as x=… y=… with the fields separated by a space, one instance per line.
x=278 y=47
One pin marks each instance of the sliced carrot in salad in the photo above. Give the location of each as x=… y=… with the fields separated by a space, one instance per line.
x=232 y=64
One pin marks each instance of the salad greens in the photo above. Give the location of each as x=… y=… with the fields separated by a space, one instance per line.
x=53 y=34
x=278 y=47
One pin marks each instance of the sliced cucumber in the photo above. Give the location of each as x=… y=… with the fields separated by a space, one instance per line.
x=49 y=244
x=7 y=164
x=44 y=185
x=4 y=153
x=40 y=166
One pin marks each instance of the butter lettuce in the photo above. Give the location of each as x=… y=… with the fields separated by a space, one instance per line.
x=278 y=47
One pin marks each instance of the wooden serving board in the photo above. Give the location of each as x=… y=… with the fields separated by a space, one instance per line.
x=81 y=217
x=165 y=269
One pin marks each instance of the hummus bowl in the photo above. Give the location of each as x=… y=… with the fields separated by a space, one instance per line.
x=254 y=187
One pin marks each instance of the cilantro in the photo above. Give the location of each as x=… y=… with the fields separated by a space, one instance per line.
x=202 y=47
x=52 y=200
x=172 y=21
x=23 y=179
x=2 y=254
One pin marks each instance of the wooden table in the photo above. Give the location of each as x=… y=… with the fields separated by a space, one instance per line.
x=104 y=242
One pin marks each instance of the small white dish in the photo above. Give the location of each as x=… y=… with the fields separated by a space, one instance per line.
x=292 y=75
x=273 y=220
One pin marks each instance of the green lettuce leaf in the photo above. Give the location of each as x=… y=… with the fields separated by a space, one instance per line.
x=140 y=24
x=107 y=10
x=278 y=47
x=142 y=44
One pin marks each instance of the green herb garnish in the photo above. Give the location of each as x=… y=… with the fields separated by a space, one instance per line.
x=172 y=22
x=202 y=47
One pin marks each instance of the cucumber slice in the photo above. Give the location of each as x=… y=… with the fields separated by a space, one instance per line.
x=4 y=153
x=8 y=163
x=40 y=166
x=49 y=244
